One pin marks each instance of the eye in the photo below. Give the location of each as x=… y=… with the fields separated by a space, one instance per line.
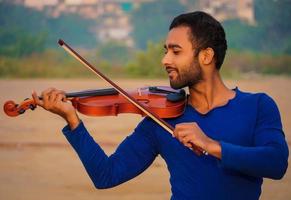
x=176 y=52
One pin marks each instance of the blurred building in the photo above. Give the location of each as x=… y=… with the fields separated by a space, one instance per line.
x=229 y=9
x=113 y=16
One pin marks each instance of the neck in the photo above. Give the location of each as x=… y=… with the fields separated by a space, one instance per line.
x=209 y=93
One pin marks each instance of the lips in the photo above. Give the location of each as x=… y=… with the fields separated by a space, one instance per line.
x=171 y=70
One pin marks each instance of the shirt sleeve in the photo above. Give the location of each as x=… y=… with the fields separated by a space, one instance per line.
x=268 y=157
x=135 y=154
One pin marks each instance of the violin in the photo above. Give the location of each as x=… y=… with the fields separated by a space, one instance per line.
x=162 y=100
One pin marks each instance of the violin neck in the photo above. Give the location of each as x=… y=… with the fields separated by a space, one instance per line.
x=88 y=93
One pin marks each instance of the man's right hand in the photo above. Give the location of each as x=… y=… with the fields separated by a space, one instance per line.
x=55 y=101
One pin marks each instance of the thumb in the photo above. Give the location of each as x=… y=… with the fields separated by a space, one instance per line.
x=37 y=99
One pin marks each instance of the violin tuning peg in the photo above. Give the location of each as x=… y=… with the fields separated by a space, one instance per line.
x=32 y=107
x=21 y=111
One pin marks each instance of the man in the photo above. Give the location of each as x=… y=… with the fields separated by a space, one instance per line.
x=242 y=132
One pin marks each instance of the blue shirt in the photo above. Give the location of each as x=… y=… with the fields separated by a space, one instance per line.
x=248 y=128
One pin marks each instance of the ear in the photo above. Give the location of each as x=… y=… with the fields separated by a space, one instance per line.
x=206 y=56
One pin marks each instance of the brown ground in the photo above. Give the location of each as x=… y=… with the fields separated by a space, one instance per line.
x=37 y=163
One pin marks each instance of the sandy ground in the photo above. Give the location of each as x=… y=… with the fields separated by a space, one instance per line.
x=37 y=163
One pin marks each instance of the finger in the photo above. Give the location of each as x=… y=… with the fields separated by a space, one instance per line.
x=36 y=99
x=189 y=138
x=59 y=97
x=59 y=92
x=195 y=149
x=182 y=129
x=180 y=126
x=178 y=129
x=185 y=125
x=53 y=96
x=197 y=152
x=64 y=95
x=183 y=136
x=175 y=132
x=189 y=145
x=188 y=142
x=45 y=95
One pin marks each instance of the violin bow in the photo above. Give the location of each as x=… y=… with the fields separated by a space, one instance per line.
x=144 y=109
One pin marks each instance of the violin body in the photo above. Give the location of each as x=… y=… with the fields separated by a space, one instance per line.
x=112 y=105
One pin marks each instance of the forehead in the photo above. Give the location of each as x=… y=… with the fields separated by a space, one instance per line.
x=179 y=35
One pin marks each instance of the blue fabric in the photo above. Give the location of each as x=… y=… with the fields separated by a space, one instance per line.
x=248 y=128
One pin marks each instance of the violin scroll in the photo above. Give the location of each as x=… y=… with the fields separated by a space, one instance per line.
x=12 y=109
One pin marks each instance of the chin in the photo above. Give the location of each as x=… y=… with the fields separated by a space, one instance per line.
x=177 y=85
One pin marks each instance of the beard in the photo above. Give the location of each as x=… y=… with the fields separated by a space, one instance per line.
x=187 y=77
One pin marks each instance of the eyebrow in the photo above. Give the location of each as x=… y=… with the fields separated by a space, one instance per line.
x=171 y=46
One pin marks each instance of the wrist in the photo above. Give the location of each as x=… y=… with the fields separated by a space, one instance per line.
x=213 y=148
x=73 y=120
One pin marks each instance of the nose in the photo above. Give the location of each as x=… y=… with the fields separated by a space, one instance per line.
x=167 y=60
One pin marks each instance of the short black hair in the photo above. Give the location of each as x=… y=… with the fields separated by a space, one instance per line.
x=206 y=32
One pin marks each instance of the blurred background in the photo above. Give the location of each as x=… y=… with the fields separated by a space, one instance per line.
x=124 y=39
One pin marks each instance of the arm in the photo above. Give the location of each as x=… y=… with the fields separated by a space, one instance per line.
x=268 y=157
x=132 y=157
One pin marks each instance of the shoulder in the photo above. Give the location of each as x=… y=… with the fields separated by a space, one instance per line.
x=260 y=98
x=261 y=103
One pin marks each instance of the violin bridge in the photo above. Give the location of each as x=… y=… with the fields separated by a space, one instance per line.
x=139 y=91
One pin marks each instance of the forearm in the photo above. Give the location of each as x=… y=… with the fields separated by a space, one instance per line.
x=268 y=161
x=131 y=158
x=90 y=153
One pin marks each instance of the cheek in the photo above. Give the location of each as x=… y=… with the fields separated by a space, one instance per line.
x=184 y=63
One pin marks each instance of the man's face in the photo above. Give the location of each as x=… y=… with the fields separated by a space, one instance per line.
x=180 y=61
